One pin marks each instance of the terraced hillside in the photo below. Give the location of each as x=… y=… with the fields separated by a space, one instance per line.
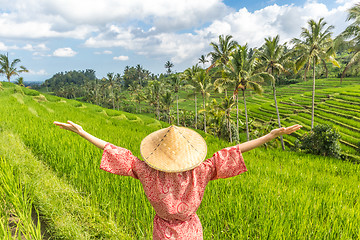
x=335 y=104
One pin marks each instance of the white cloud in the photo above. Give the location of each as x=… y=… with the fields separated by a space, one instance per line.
x=78 y=19
x=159 y=28
x=287 y=21
x=121 y=58
x=64 y=52
x=38 y=47
x=104 y=52
x=41 y=72
x=3 y=47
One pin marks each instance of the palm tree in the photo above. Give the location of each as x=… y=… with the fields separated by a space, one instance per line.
x=203 y=60
x=20 y=81
x=204 y=85
x=9 y=69
x=273 y=60
x=223 y=83
x=242 y=69
x=156 y=89
x=189 y=77
x=221 y=51
x=176 y=82
x=167 y=100
x=168 y=65
x=353 y=30
x=110 y=83
x=315 y=46
x=219 y=57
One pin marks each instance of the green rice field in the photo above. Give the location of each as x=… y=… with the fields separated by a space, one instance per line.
x=284 y=195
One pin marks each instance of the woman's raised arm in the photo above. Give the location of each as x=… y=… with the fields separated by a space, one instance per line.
x=70 y=126
x=247 y=146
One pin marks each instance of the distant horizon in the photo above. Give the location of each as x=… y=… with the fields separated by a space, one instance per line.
x=107 y=36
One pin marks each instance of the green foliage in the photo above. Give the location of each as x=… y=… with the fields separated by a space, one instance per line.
x=323 y=140
x=63 y=79
x=19 y=90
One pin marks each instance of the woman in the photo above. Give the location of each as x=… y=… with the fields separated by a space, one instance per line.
x=174 y=174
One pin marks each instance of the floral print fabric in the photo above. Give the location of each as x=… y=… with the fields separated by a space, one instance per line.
x=174 y=196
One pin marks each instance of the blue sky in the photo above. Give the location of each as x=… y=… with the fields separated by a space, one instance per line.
x=51 y=36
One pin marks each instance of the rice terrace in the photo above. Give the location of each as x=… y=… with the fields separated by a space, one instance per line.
x=305 y=185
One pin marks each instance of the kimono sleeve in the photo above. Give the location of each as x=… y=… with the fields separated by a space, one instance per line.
x=118 y=160
x=227 y=162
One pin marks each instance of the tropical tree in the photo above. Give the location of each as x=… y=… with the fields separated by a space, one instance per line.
x=167 y=100
x=221 y=115
x=316 y=44
x=203 y=60
x=189 y=76
x=273 y=59
x=168 y=65
x=203 y=86
x=152 y=93
x=352 y=34
x=176 y=83
x=219 y=57
x=9 y=69
x=242 y=69
x=223 y=82
x=20 y=81
x=110 y=82
x=221 y=51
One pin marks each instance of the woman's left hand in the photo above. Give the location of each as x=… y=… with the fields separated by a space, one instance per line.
x=70 y=126
x=285 y=130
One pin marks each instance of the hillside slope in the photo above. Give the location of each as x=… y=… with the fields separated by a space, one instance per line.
x=284 y=195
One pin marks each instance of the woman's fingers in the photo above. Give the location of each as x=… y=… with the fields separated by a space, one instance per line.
x=292 y=129
x=65 y=126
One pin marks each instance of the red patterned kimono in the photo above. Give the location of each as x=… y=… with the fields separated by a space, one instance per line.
x=174 y=196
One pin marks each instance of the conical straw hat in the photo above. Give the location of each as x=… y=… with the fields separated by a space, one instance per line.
x=173 y=149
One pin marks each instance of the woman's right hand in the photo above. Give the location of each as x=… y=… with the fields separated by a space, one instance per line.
x=70 y=126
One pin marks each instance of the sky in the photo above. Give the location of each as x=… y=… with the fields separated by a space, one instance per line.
x=51 y=36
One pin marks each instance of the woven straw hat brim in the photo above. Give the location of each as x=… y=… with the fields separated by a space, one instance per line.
x=173 y=149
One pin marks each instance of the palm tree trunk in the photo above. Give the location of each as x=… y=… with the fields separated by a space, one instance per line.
x=326 y=69
x=204 y=113
x=313 y=97
x=306 y=70
x=347 y=67
x=195 y=111
x=113 y=102
x=237 y=112
x=278 y=117
x=246 y=116
x=169 y=116
x=177 y=108
x=229 y=128
x=343 y=73
x=157 y=107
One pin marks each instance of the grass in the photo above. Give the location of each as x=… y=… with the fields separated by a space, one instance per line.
x=284 y=195
x=66 y=212
x=16 y=214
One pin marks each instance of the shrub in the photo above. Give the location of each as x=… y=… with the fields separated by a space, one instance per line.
x=322 y=140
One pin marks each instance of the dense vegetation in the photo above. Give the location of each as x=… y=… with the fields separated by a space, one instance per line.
x=283 y=195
